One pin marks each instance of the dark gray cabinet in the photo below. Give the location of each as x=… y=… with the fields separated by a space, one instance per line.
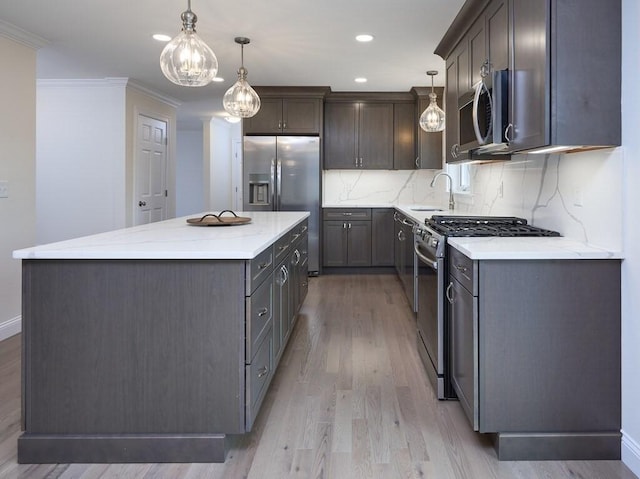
x=150 y=360
x=429 y=145
x=555 y=99
x=404 y=136
x=382 y=239
x=535 y=355
x=358 y=135
x=552 y=104
x=346 y=237
x=287 y=116
x=287 y=111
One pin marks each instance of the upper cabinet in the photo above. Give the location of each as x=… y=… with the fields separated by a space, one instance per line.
x=287 y=111
x=379 y=131
x=358 y=134
x=564 y=71
x=428 y=154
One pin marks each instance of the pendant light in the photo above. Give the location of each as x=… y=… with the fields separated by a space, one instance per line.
x=241 y=100
x=187 y=60
x=432 y=118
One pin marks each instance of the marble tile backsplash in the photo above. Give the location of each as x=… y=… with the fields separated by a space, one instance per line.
x=578 y=194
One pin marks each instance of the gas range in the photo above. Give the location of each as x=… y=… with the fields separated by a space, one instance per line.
x=504 y=226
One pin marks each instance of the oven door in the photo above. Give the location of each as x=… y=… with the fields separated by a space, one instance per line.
x=431 y=314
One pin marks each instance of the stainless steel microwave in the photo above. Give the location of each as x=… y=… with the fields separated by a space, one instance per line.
x=483 y=115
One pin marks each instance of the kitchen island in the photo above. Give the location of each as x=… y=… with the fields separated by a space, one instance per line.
x=152 y=343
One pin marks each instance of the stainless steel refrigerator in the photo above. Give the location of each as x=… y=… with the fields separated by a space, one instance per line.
x=282 y=173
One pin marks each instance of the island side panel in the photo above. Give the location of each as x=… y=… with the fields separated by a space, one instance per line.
x=550 y=346
x=133 y=346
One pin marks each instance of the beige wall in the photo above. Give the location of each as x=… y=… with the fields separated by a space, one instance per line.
x=141 y=102
x=17 y=166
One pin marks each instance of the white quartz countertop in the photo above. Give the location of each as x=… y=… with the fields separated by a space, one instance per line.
x=175 y=239
x=504 y=248
x=528 y=248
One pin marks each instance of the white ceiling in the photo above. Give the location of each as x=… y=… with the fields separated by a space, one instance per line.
x=293 y=42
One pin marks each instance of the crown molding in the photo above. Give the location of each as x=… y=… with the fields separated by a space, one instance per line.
x=21 y=36
x=154 y=94
x=81 y=82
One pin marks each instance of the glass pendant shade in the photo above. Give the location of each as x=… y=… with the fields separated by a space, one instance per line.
x=241 y=100
x=187 y=60
x=432 y=118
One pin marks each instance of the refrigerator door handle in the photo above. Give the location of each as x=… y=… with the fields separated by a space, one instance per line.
x=273 y=181
x=279 y=184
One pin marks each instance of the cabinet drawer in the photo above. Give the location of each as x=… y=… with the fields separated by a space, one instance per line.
x=258 y=374
x=346 y=213
x=464 y=269
x=299 y=231
x=259 y=268
x=282 y=247
x=259 y=316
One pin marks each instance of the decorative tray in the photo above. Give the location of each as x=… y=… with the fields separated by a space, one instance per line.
x=211 y=219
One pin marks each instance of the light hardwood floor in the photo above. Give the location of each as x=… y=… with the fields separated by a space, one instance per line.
x=350 y=399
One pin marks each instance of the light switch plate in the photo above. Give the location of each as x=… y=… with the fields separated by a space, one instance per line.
x=4 y=189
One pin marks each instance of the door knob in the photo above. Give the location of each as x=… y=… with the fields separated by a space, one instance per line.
x=142 y=203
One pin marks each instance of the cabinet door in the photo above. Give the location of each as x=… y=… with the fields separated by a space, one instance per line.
x=497 y=24
x=278 y=283
x=530 y=75
x=452 y=141
x=404 y=136
x=301 y=116
x=398 y=248
x=340 y=135
x=382 y=239
x=477 y=50
x=359 y=243
x=430 y=144
x=375 y=136
x=463 y=335
x=334 y=244
x=268 y=120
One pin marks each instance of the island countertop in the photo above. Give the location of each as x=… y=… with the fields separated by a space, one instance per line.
x=175 y=239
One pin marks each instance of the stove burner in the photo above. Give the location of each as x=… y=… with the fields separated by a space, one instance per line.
x=485 y=226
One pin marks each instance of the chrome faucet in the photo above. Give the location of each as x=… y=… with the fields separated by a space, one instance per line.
x=452 y=203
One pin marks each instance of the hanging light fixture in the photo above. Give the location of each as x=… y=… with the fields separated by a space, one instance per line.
x=187 y=60
x=241 y=100
x=432 y=118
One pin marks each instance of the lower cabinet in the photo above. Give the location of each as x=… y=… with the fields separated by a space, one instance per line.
x=535 y=355
x=346 y=237
x=382 y=239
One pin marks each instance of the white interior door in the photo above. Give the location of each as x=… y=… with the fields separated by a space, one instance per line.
x=150 y=170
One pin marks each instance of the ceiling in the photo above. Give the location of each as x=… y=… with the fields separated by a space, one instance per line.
x=293 y=42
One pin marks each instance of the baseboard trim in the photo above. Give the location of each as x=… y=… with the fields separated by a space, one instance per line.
x=631 y=453
x=10 y=328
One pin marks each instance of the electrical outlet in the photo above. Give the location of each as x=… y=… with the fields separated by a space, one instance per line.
x=578 y=197
x=4 y=189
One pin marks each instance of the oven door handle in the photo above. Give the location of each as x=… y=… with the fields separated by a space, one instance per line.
x=429 y=261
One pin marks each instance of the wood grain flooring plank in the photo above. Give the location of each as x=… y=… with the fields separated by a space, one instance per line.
x=321 y=463
x=342 y=422
x=378 y=440
x=361 y=463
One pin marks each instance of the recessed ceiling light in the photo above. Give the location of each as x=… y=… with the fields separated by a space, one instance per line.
x=365 y=37
x=360 y=80
x=161 y=37
x=218 y=79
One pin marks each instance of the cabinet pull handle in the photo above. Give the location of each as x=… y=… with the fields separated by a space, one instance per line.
x=455 y=151
x=304 y=284
x=262 y=372
x=284 y=125
x=461 y=268
x=344 y=226
x=418 y=162
x=346 y=214
x=263 y=312
x=263 y=265
x=401 y=236
x=448 y=293
x=279 y=125
x=349 y=225
x=485 y=68
x=507 y=130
